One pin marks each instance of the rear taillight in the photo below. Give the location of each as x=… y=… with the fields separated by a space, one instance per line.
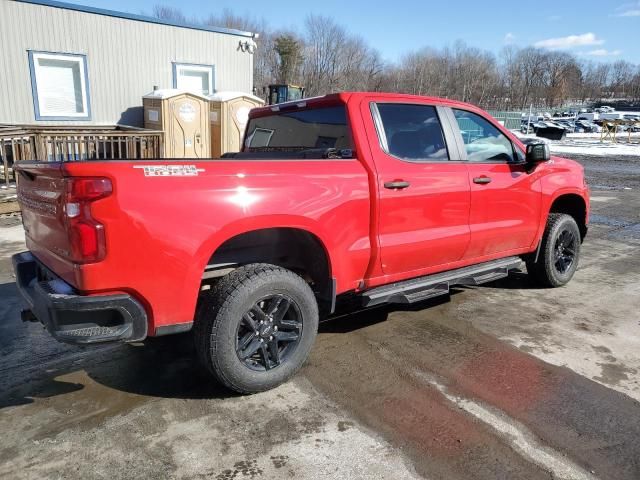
x=86 y=235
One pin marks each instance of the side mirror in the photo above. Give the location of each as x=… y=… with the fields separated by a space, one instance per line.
x=537 y=153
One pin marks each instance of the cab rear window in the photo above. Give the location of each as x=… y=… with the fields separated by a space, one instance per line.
x=297 y=130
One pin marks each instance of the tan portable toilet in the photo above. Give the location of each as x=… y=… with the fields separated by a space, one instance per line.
x=229 y=113
x=183 y=118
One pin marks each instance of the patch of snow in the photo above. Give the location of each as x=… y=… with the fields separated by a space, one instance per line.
x=162 y=93
x=596 y=148
x=12 y=234
x=588 y=144
x=597 y=135
x=226 y=96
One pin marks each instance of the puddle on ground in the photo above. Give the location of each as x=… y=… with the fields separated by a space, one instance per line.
x=604 y=220
x=630 y=232
x=607 y=187
x=368 y=370
x=613 y=373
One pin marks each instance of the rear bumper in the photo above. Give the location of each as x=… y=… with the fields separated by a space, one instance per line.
x=74 y=318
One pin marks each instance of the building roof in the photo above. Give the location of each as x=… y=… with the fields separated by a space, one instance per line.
x=137 y=18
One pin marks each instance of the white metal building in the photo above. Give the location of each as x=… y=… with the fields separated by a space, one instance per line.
x=69 y=64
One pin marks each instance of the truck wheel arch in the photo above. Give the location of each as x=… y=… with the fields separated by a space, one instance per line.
x=574 y=205
x=293 y=248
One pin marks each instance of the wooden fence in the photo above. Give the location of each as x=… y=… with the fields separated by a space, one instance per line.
x=65 y=144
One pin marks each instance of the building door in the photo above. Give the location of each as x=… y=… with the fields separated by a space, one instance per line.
x=188 y=119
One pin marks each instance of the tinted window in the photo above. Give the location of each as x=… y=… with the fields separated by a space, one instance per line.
x=299 y=130
x=413 y=132
x=482 y=141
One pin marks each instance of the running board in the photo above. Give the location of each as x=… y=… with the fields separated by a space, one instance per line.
x=422 y=288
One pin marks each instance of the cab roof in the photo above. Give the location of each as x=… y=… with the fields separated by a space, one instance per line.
x=348 y=97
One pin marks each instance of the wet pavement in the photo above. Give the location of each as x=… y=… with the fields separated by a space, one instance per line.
x=500 y=381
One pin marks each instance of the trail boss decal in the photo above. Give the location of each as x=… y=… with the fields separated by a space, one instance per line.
x=170 y=170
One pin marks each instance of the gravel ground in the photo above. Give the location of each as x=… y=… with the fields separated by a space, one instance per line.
x=499 y=381
x=610 y=172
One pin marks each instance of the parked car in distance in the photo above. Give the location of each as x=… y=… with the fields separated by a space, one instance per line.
x=531 y=126
x=611 y=116
x=568 y=125
x=371 y=197
x=589 y=116
x=587 y=126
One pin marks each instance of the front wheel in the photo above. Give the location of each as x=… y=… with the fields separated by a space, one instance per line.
x=255 y=327
x=559 y=252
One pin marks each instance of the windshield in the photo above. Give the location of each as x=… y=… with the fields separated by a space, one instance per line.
x=290 y=131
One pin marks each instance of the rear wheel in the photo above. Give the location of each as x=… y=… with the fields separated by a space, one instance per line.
x=559 y=252
x=255 y=328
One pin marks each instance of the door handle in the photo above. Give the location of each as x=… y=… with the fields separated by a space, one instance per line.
x=482 y=180
x=396 y=185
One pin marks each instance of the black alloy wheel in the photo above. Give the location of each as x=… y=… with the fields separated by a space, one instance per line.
x=269 y=332
x=565 y=251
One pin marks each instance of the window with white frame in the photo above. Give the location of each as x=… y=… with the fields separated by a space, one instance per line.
x=193 y=78
x=60 y=86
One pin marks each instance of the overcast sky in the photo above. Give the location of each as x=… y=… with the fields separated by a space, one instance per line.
x=595 y=29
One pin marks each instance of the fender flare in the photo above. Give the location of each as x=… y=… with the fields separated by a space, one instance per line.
x=546 y=209
x=193 y=275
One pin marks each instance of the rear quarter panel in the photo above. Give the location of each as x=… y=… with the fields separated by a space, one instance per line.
x=161 y=231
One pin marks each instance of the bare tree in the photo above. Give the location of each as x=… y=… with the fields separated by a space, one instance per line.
x=324 y=40
x=324 y=57
x=595 y=78
x=621 y=76
x=165 y=12
x=634 y=86
x=228 y=19
x=561 y=77
x=510 y=79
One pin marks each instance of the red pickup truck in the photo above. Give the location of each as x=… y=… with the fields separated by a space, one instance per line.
x=367 y=196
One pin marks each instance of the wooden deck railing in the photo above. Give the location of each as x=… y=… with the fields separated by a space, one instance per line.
x=64 y=144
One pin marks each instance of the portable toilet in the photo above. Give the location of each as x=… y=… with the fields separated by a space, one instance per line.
x=229 y=113
x=183 y=118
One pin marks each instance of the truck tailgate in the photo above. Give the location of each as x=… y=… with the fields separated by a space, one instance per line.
x=41 y=190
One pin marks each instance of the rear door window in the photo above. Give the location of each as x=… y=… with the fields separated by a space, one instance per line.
x=482 y=140
x=412 y=132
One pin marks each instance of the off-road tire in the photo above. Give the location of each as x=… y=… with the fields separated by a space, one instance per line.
x=220 y=311
x=544 y=271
